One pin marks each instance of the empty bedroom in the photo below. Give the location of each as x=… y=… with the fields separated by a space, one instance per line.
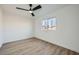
x=39 y=29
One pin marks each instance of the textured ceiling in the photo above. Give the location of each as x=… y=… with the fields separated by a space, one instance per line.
x=46 y=8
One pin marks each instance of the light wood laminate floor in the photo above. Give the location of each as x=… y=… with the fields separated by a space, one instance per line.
x=33 y=46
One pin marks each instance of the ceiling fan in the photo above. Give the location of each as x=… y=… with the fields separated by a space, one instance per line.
x=30 y=10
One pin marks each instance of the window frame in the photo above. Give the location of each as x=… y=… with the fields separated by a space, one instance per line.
x=48 y=20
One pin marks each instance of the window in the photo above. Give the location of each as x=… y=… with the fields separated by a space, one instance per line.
x=49 y=24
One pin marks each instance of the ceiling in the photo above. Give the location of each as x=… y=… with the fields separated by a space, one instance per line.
x=46 y=8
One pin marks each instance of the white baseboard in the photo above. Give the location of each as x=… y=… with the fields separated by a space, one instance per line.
x=29 y=36
x=42 y=38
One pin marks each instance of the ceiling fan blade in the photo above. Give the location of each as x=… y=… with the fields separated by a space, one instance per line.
x=37 y=7
x=32 y=14
x=21 y=9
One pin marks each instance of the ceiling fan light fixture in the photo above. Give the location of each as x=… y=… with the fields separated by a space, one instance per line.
x=30 y=11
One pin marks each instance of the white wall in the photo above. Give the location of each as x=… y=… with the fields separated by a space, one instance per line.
x=67 y=33
x=1 y=28
x=17 y=27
